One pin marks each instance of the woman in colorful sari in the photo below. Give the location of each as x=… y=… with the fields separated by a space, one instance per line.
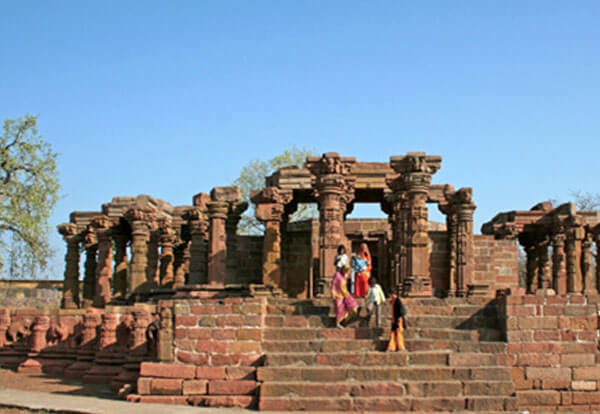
x=343 y=302
x=363 y=274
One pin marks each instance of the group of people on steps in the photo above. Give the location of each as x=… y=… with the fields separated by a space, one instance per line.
x=354 y=280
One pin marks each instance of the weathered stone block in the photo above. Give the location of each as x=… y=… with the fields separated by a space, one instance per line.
x=166 y=386
x=218 y=387
x=150 y=369
x=194 y=387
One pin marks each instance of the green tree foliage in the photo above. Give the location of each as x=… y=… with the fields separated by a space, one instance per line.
x=252 y=177
x=28 y=192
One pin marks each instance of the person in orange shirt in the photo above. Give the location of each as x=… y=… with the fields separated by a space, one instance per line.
x=398 y=324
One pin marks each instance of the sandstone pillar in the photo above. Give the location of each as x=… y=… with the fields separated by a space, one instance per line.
x=543 y=263
x=102 y=293
x=140 y=235
x=414 y=178
x=4 y=325
x=167 y=239
x=589 y=282
x=531 y=268
x=270 y=209
x=89 y=333
x=452 y=237
x=559 y=268
x=333 y=186
x=217 y=249
x=152 y=267
x=231 y=223
x=527 y=241
x=164 y=345
x=141 y=320
x=89 y=278
x=40 y=328
x=198 y=247
x=120 y=271
x=387 y=206
x=108 y=331
x=575 y=235
x=401 y=234
x=465 y=242
x=182 y=262
x=70 y=299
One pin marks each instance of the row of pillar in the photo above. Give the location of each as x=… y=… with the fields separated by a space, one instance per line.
x=570 y=267
x=160 y=258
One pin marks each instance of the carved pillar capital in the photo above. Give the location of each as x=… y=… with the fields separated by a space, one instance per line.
x=68 y=231
x=269 y=212
x=217 y=210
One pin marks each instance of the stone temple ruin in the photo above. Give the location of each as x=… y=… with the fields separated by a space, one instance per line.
x=176 y=307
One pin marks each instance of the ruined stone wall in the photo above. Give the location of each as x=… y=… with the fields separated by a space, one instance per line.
x=496 y=263
x=249 y=252
x=217 y=346
x=438 y=259
x=98 y=345
x=553 y=348
x=44 y=294
x=298 y=257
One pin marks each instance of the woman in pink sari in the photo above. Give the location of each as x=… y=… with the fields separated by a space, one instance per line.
x=343 y=302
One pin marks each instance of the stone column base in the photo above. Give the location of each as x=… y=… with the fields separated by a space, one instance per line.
x=417 y=286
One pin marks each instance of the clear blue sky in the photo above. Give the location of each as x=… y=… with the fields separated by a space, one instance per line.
x=172 y=98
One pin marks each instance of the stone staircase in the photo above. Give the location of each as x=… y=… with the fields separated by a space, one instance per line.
x=451 y=364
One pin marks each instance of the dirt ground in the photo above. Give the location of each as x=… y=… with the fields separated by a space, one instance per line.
x=46 y=383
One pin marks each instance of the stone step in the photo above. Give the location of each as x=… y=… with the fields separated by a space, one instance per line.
x=378 y=373
x=321 y=333
x=304 y=304
x=386 y=359
x=459 y=322
x=357 y=358
x=325 y=345
x=434 y=310
x=327 y=319
x=395 y=404
x=379 y=344
x=450 y=388
x=280 y=333
x=420 y=344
